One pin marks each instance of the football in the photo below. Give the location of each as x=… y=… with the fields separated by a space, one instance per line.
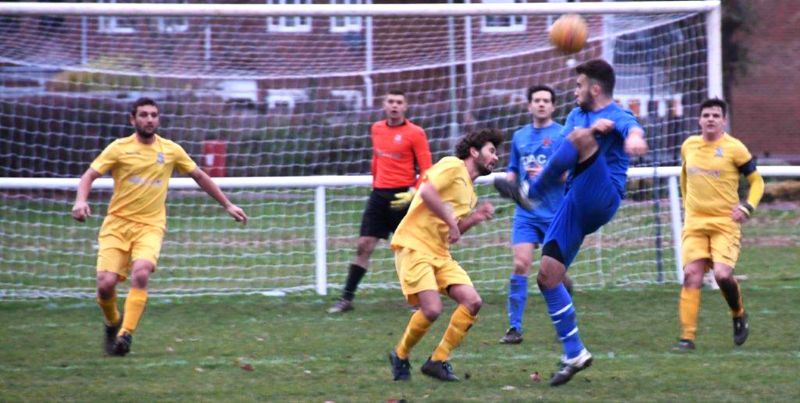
x=569 y=33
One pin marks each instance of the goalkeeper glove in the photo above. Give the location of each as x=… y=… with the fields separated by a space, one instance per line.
x=402 y=199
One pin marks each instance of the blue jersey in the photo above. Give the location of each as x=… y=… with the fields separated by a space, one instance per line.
x=611 y=144
x=531 y=146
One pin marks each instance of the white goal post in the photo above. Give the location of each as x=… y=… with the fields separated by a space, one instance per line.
x=278 y=99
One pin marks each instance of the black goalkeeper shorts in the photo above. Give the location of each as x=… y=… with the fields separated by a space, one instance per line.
x=379 y=220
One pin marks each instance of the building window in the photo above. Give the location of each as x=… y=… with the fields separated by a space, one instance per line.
x=171 y=25
x=346 y=23
x=117 y=24
x=289 y=23
x=503 y=23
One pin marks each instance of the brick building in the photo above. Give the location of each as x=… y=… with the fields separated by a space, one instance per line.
x=766 y=103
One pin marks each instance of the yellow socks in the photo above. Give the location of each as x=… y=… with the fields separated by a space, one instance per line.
x=418 y=325
x=109 y=308
x=688 y=311
x=460 y=323
x=134 y=308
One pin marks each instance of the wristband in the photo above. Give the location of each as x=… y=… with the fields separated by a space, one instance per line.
x=746 y=208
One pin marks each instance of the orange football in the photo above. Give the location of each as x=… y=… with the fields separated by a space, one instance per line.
x=569 y=33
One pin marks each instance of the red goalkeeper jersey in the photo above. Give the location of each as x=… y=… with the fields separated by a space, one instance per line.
x=395 y=150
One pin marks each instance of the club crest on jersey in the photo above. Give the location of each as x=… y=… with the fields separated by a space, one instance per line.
x=160 y=158
x=546 y=142
x=718 y=152
x=398 y=138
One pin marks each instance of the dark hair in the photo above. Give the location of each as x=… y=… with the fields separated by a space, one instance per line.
x=478 y=140
x=712 y=102
x=396 y=92
x=601 y=72
x=536 y=88
x=142 y=102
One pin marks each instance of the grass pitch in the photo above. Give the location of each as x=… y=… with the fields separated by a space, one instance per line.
x=287 y=349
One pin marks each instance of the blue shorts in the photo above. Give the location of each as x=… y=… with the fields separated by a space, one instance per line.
x=525 y=230
x=591 y=202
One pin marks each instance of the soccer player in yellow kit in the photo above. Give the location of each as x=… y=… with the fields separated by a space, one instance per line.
x=440 y=212
x=129 y=241
x=712 y=164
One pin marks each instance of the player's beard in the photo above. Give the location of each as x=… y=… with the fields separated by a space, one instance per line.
x=144 y=133
x=588 y=102
x=483 y=168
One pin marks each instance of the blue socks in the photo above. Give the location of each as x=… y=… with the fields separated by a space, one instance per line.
x=562 y=314
x=565 y=157
x=517 y=298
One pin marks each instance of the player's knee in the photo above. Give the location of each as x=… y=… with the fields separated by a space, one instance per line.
x=723 y=275
x=473 y=305
x=365 y=246
x=431 y=312
x=693 y=275
x=522 y=266
x=105 y=288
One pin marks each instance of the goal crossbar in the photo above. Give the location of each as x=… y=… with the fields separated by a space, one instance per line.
x=392 y=10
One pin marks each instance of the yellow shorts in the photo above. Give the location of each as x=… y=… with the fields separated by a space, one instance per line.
x=720 y=244
x=121 y=241
x=418 y=271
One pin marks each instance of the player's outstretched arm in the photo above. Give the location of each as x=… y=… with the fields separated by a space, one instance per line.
x=635 y=145
x=206 y=183
x=81 y=208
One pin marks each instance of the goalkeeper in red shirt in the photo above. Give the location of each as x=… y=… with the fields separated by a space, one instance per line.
x=399 y=150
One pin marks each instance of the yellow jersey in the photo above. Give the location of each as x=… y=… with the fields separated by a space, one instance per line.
x=710 y=176
x=141 y=174
x=421 y=229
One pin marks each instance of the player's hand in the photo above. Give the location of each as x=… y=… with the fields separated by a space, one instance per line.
x=453 y=234
x=237 y=214
x=635 y=145
x=402 y=199
x=534 y=171
x=484 y=212
x=603 y=126
x=738 y=215
x=80 y=211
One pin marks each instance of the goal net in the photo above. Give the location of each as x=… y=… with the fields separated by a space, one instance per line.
x=264 y=92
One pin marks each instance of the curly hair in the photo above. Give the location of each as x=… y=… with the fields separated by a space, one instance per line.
x=477 y=140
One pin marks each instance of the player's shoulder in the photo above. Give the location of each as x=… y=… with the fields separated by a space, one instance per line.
x=122 y=142
x=413 y=128
x=379 y=125
x=167 y=143
x=733 y=141
x=522 y=131
x=449 y=163
x=619 y=111
x=692 y=140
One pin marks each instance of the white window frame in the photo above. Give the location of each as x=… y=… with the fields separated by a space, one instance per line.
x=111 y=25
x=288 y=97
x=281 y=24
x=516 y=23
x=349 y=23
x=354 y=98
x=173 y=25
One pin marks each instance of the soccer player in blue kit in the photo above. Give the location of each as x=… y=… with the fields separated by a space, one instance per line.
x=531 y=146
x=601 y=136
